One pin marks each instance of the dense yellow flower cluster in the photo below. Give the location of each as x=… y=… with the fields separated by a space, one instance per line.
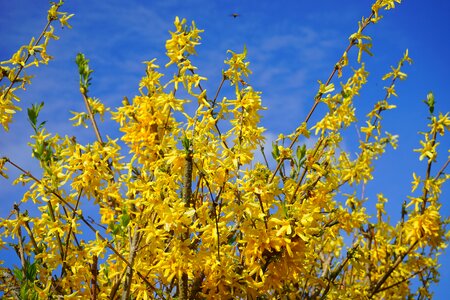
x=185 y=211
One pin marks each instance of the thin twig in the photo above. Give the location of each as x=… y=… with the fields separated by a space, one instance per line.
x=375 y=289
x=21 y=250
x=266 y=216
x=428 y=175
x=334 y=274
x=29 y=55
x=187 y=197
x=318 y=98
x=401 y=281
x=94 y=272
x=442 y=170
x=91 y=117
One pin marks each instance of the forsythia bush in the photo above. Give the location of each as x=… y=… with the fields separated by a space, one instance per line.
x=185 y=210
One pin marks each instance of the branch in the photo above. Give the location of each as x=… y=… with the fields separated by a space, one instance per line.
x=376 y=289
x=336 y=272
x=401 y=281
x=70 y=232
x=134 y=244
x=425 y=189
x=29 y=55
x=319 y=96
x=94 y=272
x=91 y=117
x=21 y=250
x=187 y=195
x=442 y=170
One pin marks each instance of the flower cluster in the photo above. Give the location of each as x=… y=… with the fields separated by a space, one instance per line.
x=183 y=208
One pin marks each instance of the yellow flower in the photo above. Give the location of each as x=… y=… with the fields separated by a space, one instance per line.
x=428 y=149
x=325 y=89
x=415 y=182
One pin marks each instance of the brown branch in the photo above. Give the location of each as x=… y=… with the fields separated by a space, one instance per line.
x=134 y=244
x=218 y=91
x=70 y=232
x=428 y=175
x=94 y=272
x=20 y=250
x=58 y=237
x=375 y=289
x=305 y=169
x=215 y=202
x=29 y=55
x=83 y=219
x=318 y=98
x=33 y=240
x=9 y=284
x=196 y=287
x=216 y=221
x=334 y=274
x=116 y=284
x=91 y=116
x=376 y=118
x=266 y=216
x=401 y=281
x=187 y=197
x=442 y=170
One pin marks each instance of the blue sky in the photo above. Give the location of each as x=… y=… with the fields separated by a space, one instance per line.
x=291 y=45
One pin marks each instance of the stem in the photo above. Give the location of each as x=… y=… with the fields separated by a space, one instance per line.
x=21 y=250
x=262 y=210
x=70 y=232
x=33 y=240
x=134 y=244
x=335 y=273
x=58 y=237
x=441 y=171
x=196 y=286
x=187 y=197
x=91 y=117
x=319 y=96
x=115 y=286
x=305 y=169
x=12 y=287
x=376 y=118
x=425 y=190
x=94 y=271
x=218 y=91
x=216 y=202
x=377 y=287
x=401 y=281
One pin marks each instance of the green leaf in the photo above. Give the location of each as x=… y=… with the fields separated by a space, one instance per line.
x=125 y=220
x=430 y=102
x=186 y=144
x=33 y=114
x=30 y=270
x=275 y=151
x=232 y=239
x=301 y=153
x=18 y=274
x=84 y=71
